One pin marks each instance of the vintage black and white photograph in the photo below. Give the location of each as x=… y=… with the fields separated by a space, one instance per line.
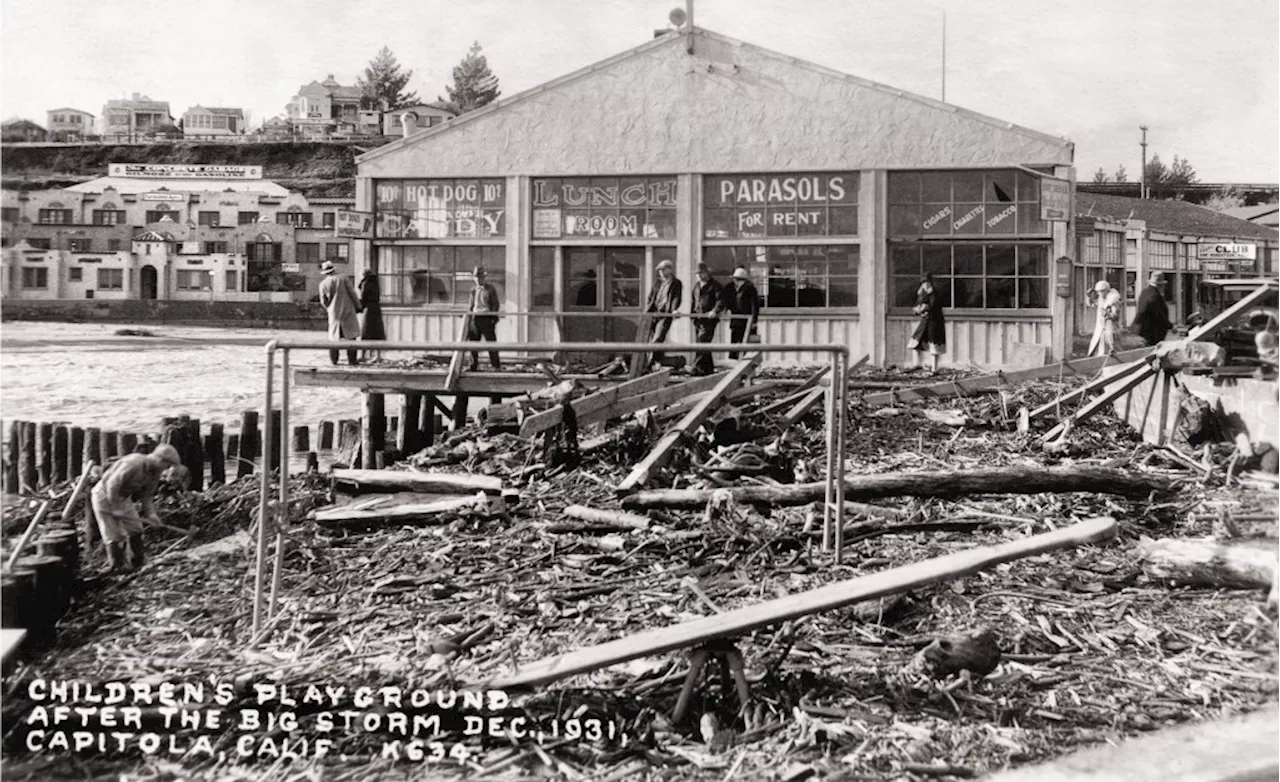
x=878 y=391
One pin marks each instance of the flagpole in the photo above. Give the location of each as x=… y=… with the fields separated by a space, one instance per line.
x=944 y=56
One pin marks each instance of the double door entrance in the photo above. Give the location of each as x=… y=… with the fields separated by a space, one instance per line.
x=604 y=292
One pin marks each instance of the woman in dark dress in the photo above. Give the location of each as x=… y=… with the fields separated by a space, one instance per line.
x=931 y=331
x=371 y=300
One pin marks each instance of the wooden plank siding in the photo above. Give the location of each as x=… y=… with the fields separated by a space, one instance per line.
x=984 y=343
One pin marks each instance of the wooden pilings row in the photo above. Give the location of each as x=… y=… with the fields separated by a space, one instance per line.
x=37 y=455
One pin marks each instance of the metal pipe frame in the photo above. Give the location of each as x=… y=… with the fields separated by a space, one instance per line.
x=837 y=401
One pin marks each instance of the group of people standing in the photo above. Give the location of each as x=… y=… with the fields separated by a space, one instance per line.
x=710 y=301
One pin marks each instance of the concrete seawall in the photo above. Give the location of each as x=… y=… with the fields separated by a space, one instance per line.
x=271 y=315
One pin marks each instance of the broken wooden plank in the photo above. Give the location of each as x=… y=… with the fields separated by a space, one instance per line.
x=662 y=451
x=737 y=622
x=593 y=402
x=408 y=513
x=733 y=397
x=10 y=642
x=1112 y=394
x=422 y=482
x=616 y=517
x=802 y=407
x=658 y=398
x=1093 y=385
x=455 y=362
x=943 y=485
x=1204 y=562
x=1074 y=368
x=799 y=392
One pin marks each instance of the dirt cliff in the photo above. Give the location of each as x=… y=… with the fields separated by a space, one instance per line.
x=317 y=169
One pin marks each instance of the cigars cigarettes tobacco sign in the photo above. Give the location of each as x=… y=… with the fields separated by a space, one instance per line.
x=168 y=171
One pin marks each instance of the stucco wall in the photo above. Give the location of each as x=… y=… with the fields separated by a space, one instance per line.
x=257 y=314
x=725 y=108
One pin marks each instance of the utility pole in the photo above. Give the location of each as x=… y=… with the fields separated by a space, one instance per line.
x=1142 y=193
x=944 y=56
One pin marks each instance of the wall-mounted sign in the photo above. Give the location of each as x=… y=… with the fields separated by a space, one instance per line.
x=440 y=208
x=291 y=268
x=546 y=224
x=164 y=197
x=1226 y=251
x=1055 y=199
x=171 y=171
x=1062 y=278
x=353 y=225
x=793 y=189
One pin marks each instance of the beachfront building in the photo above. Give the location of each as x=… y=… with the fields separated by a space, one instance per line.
x=18 y=131
x=215 y=218
x=834 y=192
x=70 y=125
x=1123 y=240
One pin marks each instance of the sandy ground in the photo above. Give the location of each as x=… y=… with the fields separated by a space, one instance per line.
x=85 y=375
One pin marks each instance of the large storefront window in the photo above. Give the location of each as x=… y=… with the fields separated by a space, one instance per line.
x=759 y=206
x=441 y=209
x=789 y=276
x=268 y=277
x=964 y=203
x=604 y=207
x=972 y=275
x=439 y=276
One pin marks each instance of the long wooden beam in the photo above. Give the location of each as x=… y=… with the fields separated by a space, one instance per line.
x=799 y=392
x=592 y=402
x=399 y=381
x=656 y=398
x=1112 y=395
x=948 y=485
x=1229 y=314
x=425 y=482
x=737 y=622
x=1093 y=385
x=1073 y=368
x=802 y=407
x=734 y=396
x=693 y=419
x=455 y=363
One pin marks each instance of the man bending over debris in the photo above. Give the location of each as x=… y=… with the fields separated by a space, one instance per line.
x=132 y=479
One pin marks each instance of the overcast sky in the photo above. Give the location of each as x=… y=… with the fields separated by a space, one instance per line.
x=1203 y=76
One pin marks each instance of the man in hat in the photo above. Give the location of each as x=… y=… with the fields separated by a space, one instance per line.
x=134 y=478
x=339 y=299
x=664 y=299
x=708 y=302
x=741 y=299
x=1152 y=320
x=484 y=320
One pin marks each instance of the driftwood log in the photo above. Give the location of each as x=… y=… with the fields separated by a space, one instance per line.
x=942 y=485
x=614 y=517
x=1204 y=562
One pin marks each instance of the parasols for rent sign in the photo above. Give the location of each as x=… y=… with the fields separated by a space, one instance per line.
x=354 y=225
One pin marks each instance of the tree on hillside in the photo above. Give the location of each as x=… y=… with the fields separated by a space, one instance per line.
x=1179 y=173
x=1100 y=177
x=1226 y=198
x=383 y=83
x=474 y=85
x=1121 y=175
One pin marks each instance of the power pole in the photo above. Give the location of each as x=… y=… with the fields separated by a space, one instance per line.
x=1142 y=193
x=944 y=56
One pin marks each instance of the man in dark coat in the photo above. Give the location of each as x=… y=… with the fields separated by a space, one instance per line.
x=484 y=318
x=741 y=299
x=708 y=302
x=1152 y=321
x=664 y=299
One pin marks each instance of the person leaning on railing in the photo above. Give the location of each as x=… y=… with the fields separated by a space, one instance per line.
x=664 y=299
x=484 y=318
x=741 y=299
x=708 y=303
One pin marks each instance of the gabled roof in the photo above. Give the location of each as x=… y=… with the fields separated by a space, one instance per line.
x=1261 y=214
x=20 y=123
x=435 y=106
x=698 y=32
x=1173 y=217
x=68 y=108
x=151 y=236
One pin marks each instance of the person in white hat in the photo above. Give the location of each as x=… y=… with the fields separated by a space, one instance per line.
x=1106 y=327
x=741 y=300
x=664 y=299
x=133 y=478
x=339 y=299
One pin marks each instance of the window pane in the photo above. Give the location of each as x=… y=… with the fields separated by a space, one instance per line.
x=967 y=185
x=905 y=260
x=842 y=259
x=1001 y=187
x=544 y=292
x=626 y=293
x=1029 y=221
x=1002 y=219
x=1028 y=187
x=843 y=221
x=584 y=291
x=1032 y=293
x=935 y=187
x=967 y=291
x=904 y=291
x=937 y=260
x=720 y=260
x=718 y=223
x=843 y=292
x=1033 y=260
x=1000 y=292
x=937 y=219
x=1000 y=260
x=904 y=220
x=781 y=221
x=904 y=187
x=661 y=225
x=468 y=258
